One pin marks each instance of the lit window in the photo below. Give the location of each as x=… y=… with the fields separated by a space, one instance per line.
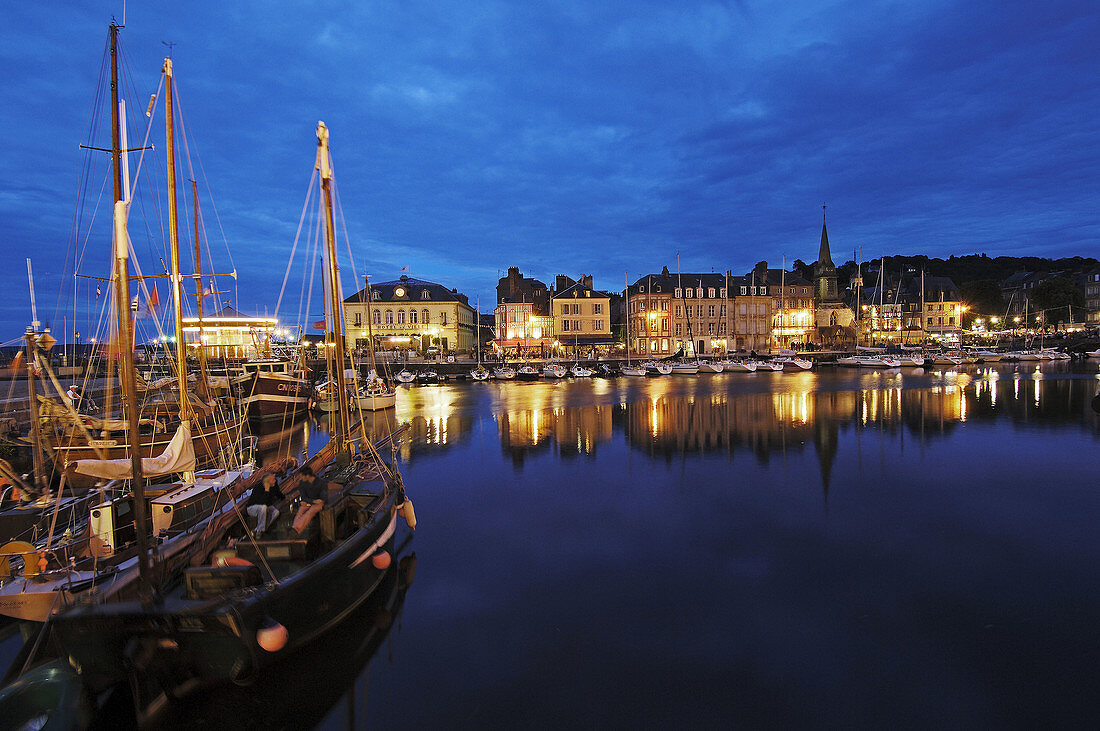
x=389 y=317
x=744 y=290
x=679 y=293
x=425 y=317
x=412 y=317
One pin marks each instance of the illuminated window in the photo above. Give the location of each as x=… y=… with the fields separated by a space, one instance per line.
x=425 y=317
x=400 y=317
x=744 y=290
x=710 y=292
x=376 y=317
x=389 y=317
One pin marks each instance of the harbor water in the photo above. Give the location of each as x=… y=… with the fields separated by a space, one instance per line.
x=829 y=548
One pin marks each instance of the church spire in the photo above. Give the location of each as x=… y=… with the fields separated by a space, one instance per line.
x=824 y=258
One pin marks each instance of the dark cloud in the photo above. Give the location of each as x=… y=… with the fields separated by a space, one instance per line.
x=579 y=136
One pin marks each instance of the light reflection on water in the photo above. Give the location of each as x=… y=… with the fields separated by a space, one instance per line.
x=913 y=545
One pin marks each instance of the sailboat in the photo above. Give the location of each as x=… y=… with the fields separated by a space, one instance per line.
x=481 y=373
x=374 y=394
x=260 y=597
x=629 y=369
x=111 y=560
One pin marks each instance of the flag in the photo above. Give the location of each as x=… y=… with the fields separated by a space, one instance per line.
x=319 y=325
x=154 y=301
x=98 y=291
x=405 y=268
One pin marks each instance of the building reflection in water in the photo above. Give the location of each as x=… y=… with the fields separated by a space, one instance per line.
x=669 y=417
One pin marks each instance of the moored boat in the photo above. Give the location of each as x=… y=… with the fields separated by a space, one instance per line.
x=554 y=370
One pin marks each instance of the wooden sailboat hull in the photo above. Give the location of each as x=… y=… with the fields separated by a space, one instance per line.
x=269 y=396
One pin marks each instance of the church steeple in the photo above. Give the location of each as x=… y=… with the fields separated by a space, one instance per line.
x=823 y=256
x=825 y=280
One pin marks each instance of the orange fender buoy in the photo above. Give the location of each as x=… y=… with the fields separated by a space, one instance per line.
x=272 y=636
x=407 y=512
x=381 y=560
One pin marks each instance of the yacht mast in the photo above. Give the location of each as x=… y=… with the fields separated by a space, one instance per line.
x=324 y=164
x=626 y=281
x=174 y=241
x=121 y=274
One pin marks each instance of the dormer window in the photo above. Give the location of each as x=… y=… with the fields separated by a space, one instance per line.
x=710 y=292
x=699 y=293
x=744 y=290
x=641 y=289
x=424 y=295
x=763 y=290
x=679 y=293
x=376 y=295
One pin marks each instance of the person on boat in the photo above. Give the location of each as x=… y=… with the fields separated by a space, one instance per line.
x=261 y=503
x=74 y=395
x=312 y=492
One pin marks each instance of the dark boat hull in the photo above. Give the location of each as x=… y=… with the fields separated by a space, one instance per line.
x=273 y=396
x=184 y=643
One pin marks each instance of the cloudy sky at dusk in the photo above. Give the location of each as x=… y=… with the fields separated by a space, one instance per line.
x=565 y=137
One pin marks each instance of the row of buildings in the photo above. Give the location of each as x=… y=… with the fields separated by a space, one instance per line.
x=664 y=313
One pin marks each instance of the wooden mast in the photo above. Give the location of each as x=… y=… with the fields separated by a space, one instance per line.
x=324 y=165
x=121 y=275
x=174 y=241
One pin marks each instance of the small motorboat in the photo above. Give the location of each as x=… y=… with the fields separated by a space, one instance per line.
x=427 y=376
x=481 y=373
x=405 y=376
x=579 y=371
x=504 y=373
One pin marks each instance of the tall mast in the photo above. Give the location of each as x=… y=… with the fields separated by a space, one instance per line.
x=370 y=326
x=783 y=300
x=203 y=386
x=626 y=281
x=324 y=164
x=121 y=273
x=174 y=240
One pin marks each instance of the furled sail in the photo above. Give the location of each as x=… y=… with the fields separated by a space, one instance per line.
x=178 y=456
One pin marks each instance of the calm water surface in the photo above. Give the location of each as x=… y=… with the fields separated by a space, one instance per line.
x=820 y=549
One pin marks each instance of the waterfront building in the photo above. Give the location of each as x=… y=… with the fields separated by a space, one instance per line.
x=514 y=287
x=649 y=313
x=940 y=305
x=698 y=314
x=793 y=320
x=411 y=313
x=1092 y=296
x=581 y=317
x=521 y=331
x=230 y=334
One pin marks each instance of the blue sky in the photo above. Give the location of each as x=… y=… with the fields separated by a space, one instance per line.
x=570 y=137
